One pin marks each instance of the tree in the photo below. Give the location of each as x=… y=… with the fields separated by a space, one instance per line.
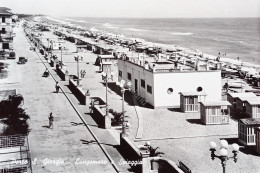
x=118 y=117
x=153 y=152
x=13 y=116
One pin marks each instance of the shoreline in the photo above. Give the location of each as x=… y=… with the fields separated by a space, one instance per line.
x=224 y=59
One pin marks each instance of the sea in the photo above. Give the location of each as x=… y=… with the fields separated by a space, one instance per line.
x=230 y=37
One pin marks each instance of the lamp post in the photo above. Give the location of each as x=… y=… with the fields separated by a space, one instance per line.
x=60 y=46
x=105 y=78
x=124 y=87
x=77 y=60
x=223 y=152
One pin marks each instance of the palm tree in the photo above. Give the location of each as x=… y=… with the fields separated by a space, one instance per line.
x=13 y=116
x=153 y=152
x=118 y=118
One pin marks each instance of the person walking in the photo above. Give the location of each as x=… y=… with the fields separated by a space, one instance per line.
x=83 y=74
x=51 y=119
x=57 y=86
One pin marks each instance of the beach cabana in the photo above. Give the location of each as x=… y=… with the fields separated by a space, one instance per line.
x=247 y=132
x=189 y=101
x=257 y=140
x=217 y=112
x=241 y=103
x=233 y=97
x=253 y=107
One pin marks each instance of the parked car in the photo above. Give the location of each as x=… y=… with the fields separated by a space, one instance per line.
x=22 y=60
x=12 y=55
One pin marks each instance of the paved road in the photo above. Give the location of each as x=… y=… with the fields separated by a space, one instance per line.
x=62 y=148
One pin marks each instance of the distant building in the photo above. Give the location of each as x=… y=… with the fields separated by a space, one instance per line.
x=160 y=83
x=6 y=29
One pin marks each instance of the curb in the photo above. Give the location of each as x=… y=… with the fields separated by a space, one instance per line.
x=181 y=137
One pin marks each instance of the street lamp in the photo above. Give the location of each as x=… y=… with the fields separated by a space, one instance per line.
x=223 y=152
x=77 y=59
x=105 y=78
x=124 y=87
x=60 y=46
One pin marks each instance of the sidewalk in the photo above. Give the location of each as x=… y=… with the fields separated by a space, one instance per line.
x=69 y=146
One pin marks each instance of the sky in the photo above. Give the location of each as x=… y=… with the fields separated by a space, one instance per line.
x=137 y=8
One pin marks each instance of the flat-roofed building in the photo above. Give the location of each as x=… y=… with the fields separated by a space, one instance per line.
x=160 y=83
x=6 y=29
x=215 y=112
x=246 y=130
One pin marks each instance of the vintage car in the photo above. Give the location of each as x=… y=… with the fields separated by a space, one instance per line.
x=22 y=60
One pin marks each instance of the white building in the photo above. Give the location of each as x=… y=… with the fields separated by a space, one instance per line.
x=160 y=85
x=6 y=28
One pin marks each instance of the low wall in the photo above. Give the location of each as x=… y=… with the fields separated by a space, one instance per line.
x=100 y=117
x=53 y=62
x=62 y=74
x=79 y=93
x=131 y=151
x=159 y=164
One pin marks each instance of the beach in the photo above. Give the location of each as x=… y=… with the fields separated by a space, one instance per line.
x=232 y=37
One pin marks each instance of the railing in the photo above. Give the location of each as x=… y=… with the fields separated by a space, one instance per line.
x=14 y=168
x=13 y=141
x=218 y=119
x=191 y=107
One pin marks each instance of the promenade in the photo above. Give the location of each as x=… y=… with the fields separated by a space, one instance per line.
x=69 y=146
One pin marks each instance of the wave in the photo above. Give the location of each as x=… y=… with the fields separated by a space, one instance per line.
x=108 y=25
x=80 y=21
x=134 y=29
x=182 y=33
x=56 y=19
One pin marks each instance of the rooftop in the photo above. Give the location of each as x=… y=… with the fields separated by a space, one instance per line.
x=5 y=11
x=254 y=101
x=240 y=95
x=216 y=103
x=251 y=121
x=193 y=93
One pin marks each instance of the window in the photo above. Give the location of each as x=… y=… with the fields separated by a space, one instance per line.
x=5 y=46
x=258 y=108
x=199 y=89
x=170 y=90
x=142 y=83
x=3 y=19
x=129 y=77
x=120 y=73
x=149 y=89
x=3 y=31
x=190 y=100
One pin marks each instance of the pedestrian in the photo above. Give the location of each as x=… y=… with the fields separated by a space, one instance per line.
x=81 y=58
x=57 y=86
x=51 y=119
x=83 y=74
